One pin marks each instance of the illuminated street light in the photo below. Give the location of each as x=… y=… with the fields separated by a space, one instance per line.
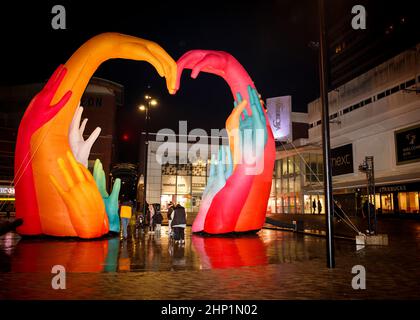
x=150 y=102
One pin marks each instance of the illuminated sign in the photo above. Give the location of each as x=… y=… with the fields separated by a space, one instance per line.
x=407 y=145
x=7 y=191
x=342 y=160
x=279 y=111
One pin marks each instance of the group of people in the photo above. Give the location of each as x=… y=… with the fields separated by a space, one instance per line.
x=177 y=219
x=314 y=206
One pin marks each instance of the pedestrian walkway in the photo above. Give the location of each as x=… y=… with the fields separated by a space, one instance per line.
x=270 y=265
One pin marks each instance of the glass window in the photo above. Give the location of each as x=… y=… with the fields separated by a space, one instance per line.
x=168 y=169
x=298 y=203
x=183 y=184
x=292 y=204
x=285 y=204
x=271 y=207
x=284 y=186
x=198 y=184
x=184 y=169
x=199 y=168
x=297 y=184
x=292 y=185
x=185 y=201
x=408 y=202
x=291 y=165
x=273 y=188
x=387 y=202
x=164 y=200
x=279 y=204
x=308 y=203
x=168 y=184
x=284 y=168
x=297 y=164
x=278 y=168
x=278 y=187
x=195 y=202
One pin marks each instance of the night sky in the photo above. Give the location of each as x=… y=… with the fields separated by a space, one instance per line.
x=269 y=38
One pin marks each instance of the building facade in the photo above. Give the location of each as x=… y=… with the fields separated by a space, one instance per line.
x=376 y=114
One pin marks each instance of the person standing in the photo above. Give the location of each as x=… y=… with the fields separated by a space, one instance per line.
x=313 y=207
x=179 y=223
x=169 y=216
x=319 y=206
x=152 y=222
x=157 y=218
x=126 y=210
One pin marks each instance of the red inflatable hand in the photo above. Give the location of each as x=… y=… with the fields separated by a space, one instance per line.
x=38 y=113
x=219 y=63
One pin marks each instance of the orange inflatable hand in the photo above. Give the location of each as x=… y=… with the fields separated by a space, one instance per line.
x=232 y=127
x=82 y=198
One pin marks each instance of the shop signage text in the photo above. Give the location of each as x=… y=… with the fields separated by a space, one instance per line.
x=407 y=144
x=342 y=160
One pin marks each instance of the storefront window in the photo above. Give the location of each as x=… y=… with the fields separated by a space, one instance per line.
x=278 y=168
x=168 y=184
x=408 y=202
x=279 y=204
x=298 y=203
x=297 y=164
x=308 y=203
x=285 y=204
x=199 y=168
x=185 y=201
x=164 y=200
x=292 y=204
x=284 y=170
x=183 y=184
x=195 y=202
x=198 y=184
x=273 y=188
x=271 y=207
x=387 y=203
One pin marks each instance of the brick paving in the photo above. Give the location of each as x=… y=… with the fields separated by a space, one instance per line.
x=271 y=265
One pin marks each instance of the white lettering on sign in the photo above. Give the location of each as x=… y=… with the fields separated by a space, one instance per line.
x=10 y=191
x=392 y=189
x=341 y=160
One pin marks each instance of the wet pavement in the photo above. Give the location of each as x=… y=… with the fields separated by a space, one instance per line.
x=270 y=265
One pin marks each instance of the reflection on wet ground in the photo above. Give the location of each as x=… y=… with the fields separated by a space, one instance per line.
x=270 y=265
x=151 y=252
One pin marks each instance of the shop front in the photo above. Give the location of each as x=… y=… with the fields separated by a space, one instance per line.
x=183 y=184
x=401 y=199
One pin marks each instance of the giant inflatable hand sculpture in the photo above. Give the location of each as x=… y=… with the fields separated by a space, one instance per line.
x=240 y=204
x=110 y=200
x=38 y=113
x=43 y=154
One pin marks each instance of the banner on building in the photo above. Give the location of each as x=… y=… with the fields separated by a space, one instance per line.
x=279 y=111
x=407 y=145
x=342 y=160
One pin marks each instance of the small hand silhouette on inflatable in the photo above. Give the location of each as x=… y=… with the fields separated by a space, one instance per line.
x=79 y=146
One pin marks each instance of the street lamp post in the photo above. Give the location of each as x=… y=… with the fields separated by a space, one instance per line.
x=323 y=75
x=145 y=107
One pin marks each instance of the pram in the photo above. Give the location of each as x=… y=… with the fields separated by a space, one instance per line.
x=140 y=222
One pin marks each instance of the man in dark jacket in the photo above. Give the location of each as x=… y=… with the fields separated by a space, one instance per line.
x=179 y=223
